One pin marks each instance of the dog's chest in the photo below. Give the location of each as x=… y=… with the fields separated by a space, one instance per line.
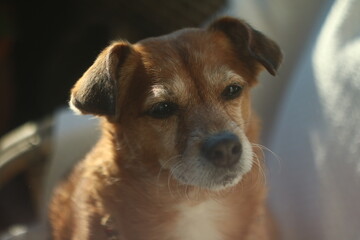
x=200 y=222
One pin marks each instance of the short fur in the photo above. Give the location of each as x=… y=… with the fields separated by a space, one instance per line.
x=146 y=177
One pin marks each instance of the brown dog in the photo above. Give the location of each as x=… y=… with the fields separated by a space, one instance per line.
x=176 y=160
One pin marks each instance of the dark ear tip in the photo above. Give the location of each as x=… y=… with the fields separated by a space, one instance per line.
x=272 y=67
x=98 y=105
x=272 y=71
x=74 y=105
x=77 y=106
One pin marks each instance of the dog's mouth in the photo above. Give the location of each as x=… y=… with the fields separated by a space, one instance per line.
x=205 y=176
x=221 y=162
x=228 y=180
x=208 y=177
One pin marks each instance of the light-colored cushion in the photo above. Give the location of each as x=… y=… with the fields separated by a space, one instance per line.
x=315 y=189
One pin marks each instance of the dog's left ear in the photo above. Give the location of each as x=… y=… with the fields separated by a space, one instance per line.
x=96 y=91
x=250 y=42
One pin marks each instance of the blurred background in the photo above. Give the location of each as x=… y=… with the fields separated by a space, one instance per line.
x=310 y=110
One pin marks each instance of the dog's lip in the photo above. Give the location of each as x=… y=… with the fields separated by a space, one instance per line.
x=228 y=178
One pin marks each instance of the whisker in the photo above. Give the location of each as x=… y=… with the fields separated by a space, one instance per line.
x=162 y=166
x=262 y=148
x=132 y=149
x=261 y=176
x=177 y=167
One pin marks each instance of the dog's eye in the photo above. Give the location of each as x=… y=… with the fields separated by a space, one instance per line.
x=163 y=109
x=231 y=92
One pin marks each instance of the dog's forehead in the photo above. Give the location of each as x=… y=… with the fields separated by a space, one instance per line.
x=187 y=49
x=176 y=61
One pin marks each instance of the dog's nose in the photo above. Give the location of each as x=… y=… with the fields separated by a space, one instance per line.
x=223 y=149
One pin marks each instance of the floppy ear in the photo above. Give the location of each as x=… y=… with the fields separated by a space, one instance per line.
x=96 y=91
x=250 y=42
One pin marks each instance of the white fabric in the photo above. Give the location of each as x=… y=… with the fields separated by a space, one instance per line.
x=315 y=189
x=73 y=137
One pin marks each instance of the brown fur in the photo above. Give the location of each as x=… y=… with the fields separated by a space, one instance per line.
x=124 y=188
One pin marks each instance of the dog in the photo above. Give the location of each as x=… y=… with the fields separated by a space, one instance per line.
x=177 y=159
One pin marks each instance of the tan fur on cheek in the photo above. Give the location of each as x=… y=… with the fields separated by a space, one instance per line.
x=160 y=138
x=246 y=107
x=166 y=140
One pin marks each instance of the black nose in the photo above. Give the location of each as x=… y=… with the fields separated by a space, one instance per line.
x=223 y=149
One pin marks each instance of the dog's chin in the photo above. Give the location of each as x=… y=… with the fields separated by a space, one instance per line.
x=226 y=182
x=211 y=181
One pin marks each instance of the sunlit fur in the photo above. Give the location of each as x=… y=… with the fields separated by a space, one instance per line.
x=146 y=177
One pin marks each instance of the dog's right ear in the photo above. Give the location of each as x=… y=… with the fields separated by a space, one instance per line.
x=96 y=91
x=250 y=42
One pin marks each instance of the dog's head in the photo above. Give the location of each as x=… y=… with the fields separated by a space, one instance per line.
x=181 y=102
